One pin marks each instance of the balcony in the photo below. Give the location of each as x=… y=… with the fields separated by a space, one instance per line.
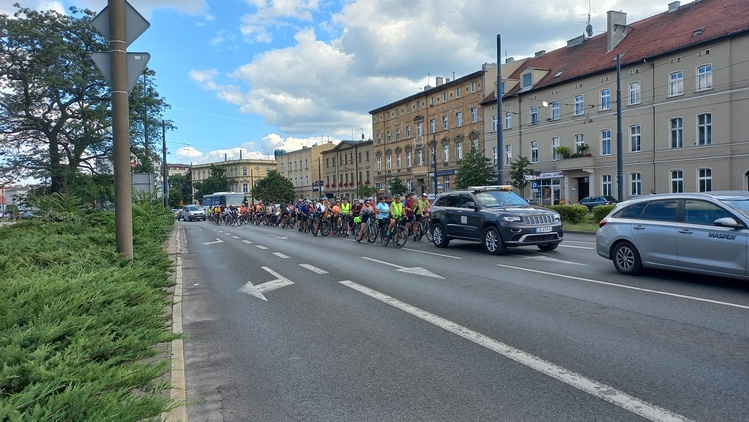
x=579 y=163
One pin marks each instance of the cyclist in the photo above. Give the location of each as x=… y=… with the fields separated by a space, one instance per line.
x=408 y=209
x=321 y=208
x=366 y=212
x=422 y=207
x=345 y=214
x=383 y=213
x=396 y=212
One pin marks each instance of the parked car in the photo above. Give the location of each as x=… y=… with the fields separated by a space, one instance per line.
x=592 y=201
x=193 y=213
x=495 y=216
x=703 y=233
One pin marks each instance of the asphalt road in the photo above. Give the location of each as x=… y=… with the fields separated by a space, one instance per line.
x=283 y=326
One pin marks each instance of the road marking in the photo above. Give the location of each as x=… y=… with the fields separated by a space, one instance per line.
x=606 y=283
x=261 y=247
x=213 y=243
x=432 y=253
x=410 y=270
x=247 y=242
x=278 y=237
x=280 y=255
x=269 y=286
x=550 y=259
x=590 y=386
x=575 y=247
x=236 y=237
x=313 y=268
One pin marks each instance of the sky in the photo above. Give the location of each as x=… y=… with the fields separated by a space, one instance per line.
x=260 y=75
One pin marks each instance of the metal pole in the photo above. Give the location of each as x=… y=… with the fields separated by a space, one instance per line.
x=166 y=169
x=123 y=206
x=500 y=124
x=619 y=147
x=147 y=159
x=434 y=160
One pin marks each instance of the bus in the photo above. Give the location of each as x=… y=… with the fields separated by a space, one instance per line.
x=224 y=198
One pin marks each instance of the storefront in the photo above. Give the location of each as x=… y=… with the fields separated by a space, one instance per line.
x=546 y=188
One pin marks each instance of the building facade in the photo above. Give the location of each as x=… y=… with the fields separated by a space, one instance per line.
x=682 y=123
x=347 y=166
x=421 y=139
x=304 y=168
x=241 y=174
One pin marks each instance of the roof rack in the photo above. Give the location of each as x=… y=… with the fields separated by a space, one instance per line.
x=491 y=187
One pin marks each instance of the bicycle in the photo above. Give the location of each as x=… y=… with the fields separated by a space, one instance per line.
x=399 y=234
x=369 y=230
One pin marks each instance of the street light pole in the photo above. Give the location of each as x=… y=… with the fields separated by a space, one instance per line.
x=434 y=160
x=619 y=147
x=500 y=140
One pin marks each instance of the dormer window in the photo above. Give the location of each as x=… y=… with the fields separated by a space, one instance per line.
x=527 y=80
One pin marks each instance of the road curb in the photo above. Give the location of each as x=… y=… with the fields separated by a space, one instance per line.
x=178 y=391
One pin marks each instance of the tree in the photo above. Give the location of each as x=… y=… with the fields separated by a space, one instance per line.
x=365 y=191
x=215 y=182
x=274 y=187
x=396 y=186
x=518 y=170
x=180 y=189
x=475 y=170
x=55 y=106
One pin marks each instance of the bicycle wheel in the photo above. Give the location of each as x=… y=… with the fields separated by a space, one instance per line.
x=384 y=237
x=428 y=231
x=371 y=233
x=400 y=236
x=326 y=226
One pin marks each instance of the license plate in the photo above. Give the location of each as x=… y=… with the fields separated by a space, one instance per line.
x=543 y=229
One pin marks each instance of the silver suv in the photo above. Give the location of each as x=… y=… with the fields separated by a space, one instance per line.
x=702 y=233
x=193 y=213
x=496 y=217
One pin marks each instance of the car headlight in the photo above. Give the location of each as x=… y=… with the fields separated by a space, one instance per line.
x=511 y=218
x=557 y=217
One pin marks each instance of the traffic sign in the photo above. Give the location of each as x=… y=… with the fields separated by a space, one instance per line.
x=135 y=24
x=136 y=62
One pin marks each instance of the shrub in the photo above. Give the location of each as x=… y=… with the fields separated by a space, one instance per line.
x=571 y=213
x=601 y=211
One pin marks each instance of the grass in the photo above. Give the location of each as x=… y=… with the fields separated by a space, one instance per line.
x=588 y=225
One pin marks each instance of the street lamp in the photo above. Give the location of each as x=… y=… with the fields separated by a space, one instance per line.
x=434 y=160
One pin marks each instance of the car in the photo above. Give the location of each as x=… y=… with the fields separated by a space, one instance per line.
x=703 y=233
x=495 y=216
x=177 y=214
x=592 y=201
x=193 y=213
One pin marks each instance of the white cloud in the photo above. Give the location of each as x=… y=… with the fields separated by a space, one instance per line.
x=270 y=14
x=189 y=154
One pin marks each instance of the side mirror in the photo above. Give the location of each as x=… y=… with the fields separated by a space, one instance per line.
x=727 y=222
x=470 y=204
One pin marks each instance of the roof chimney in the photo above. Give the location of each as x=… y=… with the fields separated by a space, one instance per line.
x=439 y=80
x=539 y=53
x=673 y=6
x=616 y=28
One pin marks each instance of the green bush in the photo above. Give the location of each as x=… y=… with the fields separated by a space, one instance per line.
x=79 y=324
x=601 y=211
x=571 y=213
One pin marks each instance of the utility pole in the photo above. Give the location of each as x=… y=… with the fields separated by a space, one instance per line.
x=499 y=92
x=619 y=146
x=166 y=168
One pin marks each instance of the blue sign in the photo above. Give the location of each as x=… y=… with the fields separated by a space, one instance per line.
x=534 y=185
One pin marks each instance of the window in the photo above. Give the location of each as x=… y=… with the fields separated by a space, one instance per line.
x=446 y=183
x=661 y=210
x=634 y=93
x=473 y=87
x=459 y=119
x=379 y=163
x=444 y=97
x=445 y=153
x=398 y=161
x=704 y=180
x=508 y=121
x=677 y=181
x=419 y=128
x=474 y=114
x=508 y=155
x=432 y=126
x=419 y=157
x=397 y=134
x=579 y=142
x=459 y=151
x=244 y=170
x=705 y=129
x=475 y=144
x=457 y=92
x=704 y=77
x=534 y=115
x=635 y=183
x=527 y=80
x=555 y=110
x=676 y=83
x=495 y=123
x=379 y=141
x=431 y=100
x=579 y=105
x=444 y=122
x=408 y=131
x=246 y=187
x=606 y=142
x=389 y=162
x=408 y=159
x=366 y=154
x=606 y=99
x=635 y=138
x=554 y=145
x=677 y=132
x=606 y=184
x=387 y=137
x=534 y=151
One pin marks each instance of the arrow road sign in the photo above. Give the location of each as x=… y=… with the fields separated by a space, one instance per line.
x=258 y=290
x=213 y=243
x=412 y=270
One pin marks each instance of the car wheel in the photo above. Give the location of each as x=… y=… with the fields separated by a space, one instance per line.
x=493 y=243
x=626 y=258
x=439 y=236
x=546 y=247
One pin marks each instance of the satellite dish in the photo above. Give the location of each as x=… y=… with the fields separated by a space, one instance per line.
x=589 y=30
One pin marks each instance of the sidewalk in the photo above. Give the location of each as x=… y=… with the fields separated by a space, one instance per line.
x=173 y=248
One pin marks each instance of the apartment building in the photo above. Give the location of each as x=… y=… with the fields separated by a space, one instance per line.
x=241 y=174
x=441 y=122
x=345 y=167
x=682 y=125
x=304 y=168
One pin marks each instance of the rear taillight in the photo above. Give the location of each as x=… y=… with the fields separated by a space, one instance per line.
x=602 y=223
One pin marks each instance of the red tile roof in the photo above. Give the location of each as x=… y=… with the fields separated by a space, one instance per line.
x=646 y=39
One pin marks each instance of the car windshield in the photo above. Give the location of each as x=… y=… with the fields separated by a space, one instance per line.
x=493 y=199
x=193 y=208
x=739 y=204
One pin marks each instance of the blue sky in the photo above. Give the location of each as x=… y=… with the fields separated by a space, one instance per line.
x=260 y=75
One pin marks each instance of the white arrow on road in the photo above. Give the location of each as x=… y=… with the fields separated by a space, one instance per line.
x=278 y=237
x=268 y=286
x=213 y=243
x=550 y=259
x=413 y=270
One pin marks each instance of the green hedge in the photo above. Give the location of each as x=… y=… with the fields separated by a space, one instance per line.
x=80 y=325
x=571 y=213
x=601 y=211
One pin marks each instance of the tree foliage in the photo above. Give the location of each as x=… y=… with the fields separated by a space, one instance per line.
x=518 y=170
x=365 y=191
x=180 y=189
x=55 y=105
x=274 y=187
x=396 y=186
x=215 y=182
x=475 y=170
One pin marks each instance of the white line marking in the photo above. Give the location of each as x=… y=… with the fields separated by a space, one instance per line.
x=415 y=270
x=550 y=259
x=313 y=268
x=590 y=386
x=247 y=242
x=432 y=253
x=236 y=237
x=261 y=247
x=400 y=267
x=269 y=286
x=280 y=255
x=575 y=247
x=605 y=283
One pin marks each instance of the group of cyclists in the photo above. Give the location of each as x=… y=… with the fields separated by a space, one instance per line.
x=341 y=217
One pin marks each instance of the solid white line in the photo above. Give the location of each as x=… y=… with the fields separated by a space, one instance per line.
x=313 y=268
x=575 y=247
x=280 y=255
x=590 y=386
x=261 y=247
x=382 y=262
x=606 y=283
x=432 y=253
